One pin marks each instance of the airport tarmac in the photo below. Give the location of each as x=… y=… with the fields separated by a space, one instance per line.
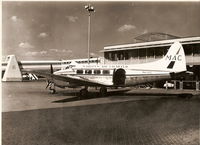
x=141 y=117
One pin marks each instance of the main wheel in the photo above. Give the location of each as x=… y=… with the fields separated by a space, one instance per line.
x=103 y=91
x=83 y=92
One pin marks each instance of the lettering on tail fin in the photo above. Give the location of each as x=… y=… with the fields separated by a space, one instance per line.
x=173 y=59
x=176 y=57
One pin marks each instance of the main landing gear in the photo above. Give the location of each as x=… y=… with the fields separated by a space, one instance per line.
x=102 y=92
x=83 y=92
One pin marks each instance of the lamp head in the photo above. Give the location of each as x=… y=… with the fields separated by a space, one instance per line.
x=86 y=7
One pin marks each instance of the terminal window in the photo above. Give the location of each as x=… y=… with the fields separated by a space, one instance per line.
x=188 y=49
x=196 y=49
x=134 y=53
x=142 y=53
x=150 y=52
x=159 y=52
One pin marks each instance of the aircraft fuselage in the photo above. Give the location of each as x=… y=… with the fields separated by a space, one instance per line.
x=119 y=75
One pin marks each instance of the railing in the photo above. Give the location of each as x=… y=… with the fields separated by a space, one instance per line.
x=186 y=85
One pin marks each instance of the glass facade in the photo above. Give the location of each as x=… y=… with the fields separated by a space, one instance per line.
x=192 y=52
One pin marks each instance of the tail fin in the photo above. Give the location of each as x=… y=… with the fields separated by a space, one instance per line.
x=174 y=60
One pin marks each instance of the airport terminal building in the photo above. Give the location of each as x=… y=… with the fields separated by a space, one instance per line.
x=153 y=46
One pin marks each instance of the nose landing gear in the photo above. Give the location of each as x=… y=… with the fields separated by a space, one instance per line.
x=51 y=87
x=52 y=91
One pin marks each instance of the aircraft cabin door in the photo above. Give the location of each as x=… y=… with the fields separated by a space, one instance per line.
x=119 y=77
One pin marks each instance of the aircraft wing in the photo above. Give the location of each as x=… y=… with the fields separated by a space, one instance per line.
x=70 y=78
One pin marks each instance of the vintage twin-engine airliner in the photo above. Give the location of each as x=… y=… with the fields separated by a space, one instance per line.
x=105 y=76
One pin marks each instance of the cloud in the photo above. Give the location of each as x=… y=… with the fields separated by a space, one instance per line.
x=55 y=50
x=25 y=45
x=72 y=18
x=145 y=31
x=43 y=35
x=61 y=51
x=34 y=53
x=14 y=18
x=43 y=25
x=93 y=54
x=126 y=27
x=43 y=52
x=31 y=53
x=67 y=51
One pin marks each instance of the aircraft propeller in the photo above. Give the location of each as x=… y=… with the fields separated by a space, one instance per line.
x=51 y=72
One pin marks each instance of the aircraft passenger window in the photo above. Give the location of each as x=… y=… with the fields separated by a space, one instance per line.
x=97 y=72
x=88 y=71
x=106 y=72
x=79 y=71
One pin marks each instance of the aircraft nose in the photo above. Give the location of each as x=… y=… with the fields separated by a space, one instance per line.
x=55 y=73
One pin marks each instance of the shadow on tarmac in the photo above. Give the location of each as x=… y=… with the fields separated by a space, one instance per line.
x=91 y=95
x=121 y=94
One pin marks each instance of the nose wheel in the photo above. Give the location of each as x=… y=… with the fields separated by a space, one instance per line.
x=52 y=89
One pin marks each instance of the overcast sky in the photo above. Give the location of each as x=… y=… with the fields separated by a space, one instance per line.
x=58 y=30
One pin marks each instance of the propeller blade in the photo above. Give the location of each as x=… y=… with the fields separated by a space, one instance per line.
x=48 y=81
x=48 y=84
x=51 y=69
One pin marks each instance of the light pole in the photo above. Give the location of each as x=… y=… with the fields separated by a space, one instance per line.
x=90 y=9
